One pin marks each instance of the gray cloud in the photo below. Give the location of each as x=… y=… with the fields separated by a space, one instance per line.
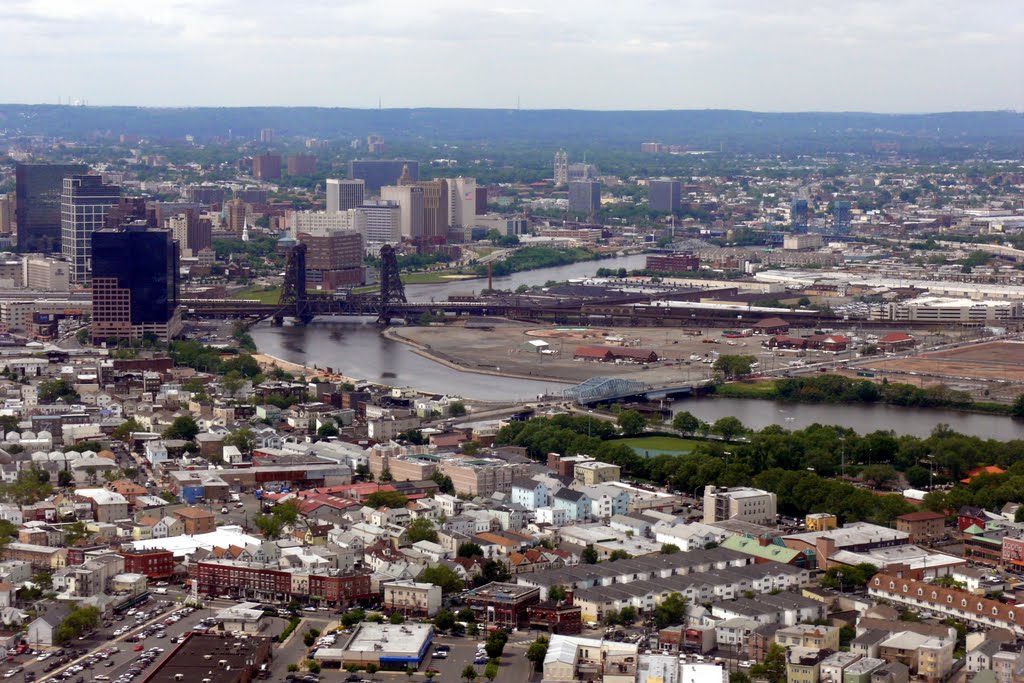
x=907 y=55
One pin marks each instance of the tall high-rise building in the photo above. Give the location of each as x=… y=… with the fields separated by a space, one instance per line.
x=266 y=167
x=205 y=194
x=799 y=213
x=380 y=172
x=335 y=259
x=481 y=201
x=585 y=197
x=236 y=212
x=379 y=222
x=375 y=144
x=134 y=283
x=435 y=209
x=462 y=202
x=38 y=189
x=664 y=195
x=344 y=194
x=842 y=216
x=410 y=200
x=301 y=164
x=6 y=214
x=267 y=135
x=561 y=167
x=84 y=205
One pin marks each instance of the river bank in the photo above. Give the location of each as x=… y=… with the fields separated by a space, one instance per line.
x=910 y=396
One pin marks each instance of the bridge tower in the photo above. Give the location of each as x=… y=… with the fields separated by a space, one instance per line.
x=391 y=289
x=294 y=300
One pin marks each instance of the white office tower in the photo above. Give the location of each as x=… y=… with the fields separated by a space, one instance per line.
x=320 y=223
x=561 y=167
x=461 y=202
x=84 y=203
x=343 y=195
x=410 y=200
x=379 y=222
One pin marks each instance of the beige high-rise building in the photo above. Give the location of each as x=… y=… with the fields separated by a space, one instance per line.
x=6 y=214
x=236 y=210
x=435 y=208
x=46 y=273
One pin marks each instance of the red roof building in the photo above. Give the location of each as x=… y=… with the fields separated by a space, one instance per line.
x=828 y=342
x=896 y=341
x=771 y=326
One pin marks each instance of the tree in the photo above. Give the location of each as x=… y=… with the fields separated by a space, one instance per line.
x=57 y=389
x=589 y=555
x=469 y=549
x=65 y=478
x=76 y=531
x=627 y=615
x=556 y=593
x=631 y=422
x=456 y=409
x=686 y=423
x=491 y=571
x=352 y=617
x=732 y=365
x=124 y=430
x=1017 y=409
x=8 y=532
x=467 y=615
x=469 y=673
x=619 y=555
x=242 y=439
x=444 y=620
x=728 y=427
x=396 y=619
x=773 y=668
x=313 y=666
x=232 y=382
x=671 y=611
x=421 y=529
x=537 y=651
x=491 y=671
x=495 y=644
x=669 y=549
x=327 y=431
x=880 y=475
x=443 y=481
x=270 y=526
x=183 y=427
x=372 y=668
x=81 y=620
x=387 y=499
x=443 y=576
x=739 y=677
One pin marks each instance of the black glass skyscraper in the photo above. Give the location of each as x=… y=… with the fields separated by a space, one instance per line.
x=37 y=204
x=134 y=275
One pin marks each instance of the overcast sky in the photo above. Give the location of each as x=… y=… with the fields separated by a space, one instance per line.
x=783 y=55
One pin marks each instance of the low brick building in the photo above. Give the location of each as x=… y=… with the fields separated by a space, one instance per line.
x=154 y=564
x=560 y=616
x=923 y=525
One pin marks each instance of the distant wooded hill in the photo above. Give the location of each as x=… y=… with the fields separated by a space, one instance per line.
x=699 y=129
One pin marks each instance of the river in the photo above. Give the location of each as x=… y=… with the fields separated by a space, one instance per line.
x=356 y=348
x=571 y=271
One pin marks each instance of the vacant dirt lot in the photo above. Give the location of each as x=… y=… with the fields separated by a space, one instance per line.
x=993 y=371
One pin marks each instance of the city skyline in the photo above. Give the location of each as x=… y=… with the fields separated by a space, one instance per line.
x=862 y=56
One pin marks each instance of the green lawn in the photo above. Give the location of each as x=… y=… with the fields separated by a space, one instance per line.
x=760 y=389
x=656 y=445
x=265 y=295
